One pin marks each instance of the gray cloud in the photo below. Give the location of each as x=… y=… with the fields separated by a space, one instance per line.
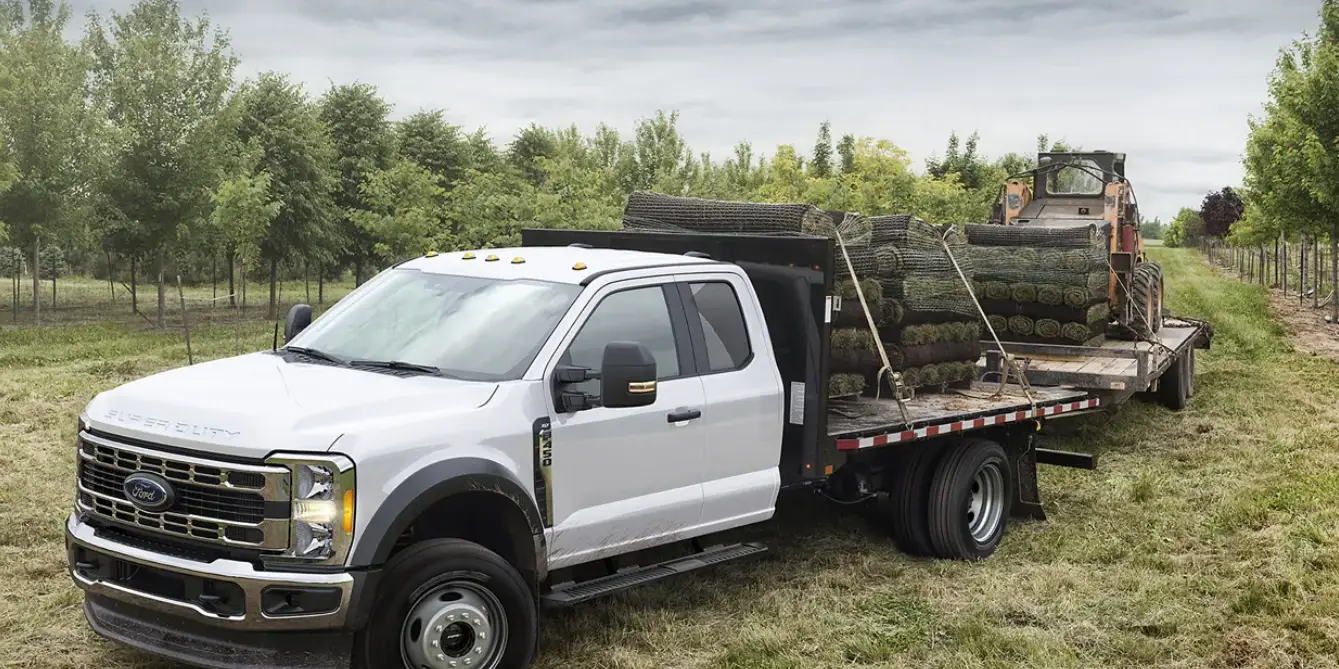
x=1170 y=82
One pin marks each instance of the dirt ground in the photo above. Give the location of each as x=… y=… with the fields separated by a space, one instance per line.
x=1306 y=326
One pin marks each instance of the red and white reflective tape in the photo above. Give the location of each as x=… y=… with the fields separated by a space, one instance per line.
x=965 y=425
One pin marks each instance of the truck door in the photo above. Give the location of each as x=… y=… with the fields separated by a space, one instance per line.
x=744 y=421
x=623 y=479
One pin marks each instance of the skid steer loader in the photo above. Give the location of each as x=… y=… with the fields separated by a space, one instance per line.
x=1083 y=188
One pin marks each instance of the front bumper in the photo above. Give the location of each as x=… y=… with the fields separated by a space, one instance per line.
x=220 y=613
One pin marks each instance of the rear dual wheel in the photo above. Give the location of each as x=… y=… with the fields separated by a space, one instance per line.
x=951 y=503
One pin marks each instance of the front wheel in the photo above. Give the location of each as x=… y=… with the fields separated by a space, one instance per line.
x=450 y=604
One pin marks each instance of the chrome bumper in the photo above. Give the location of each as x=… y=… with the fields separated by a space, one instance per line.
x=251 y=581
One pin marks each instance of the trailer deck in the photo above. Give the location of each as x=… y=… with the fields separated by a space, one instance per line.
x=867 y=422
x=1116 y=365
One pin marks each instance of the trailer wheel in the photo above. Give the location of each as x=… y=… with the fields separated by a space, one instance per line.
x=449 y=603
x=1190 y=379
x=902 y=511
x=1174 y=386
x=970 y=496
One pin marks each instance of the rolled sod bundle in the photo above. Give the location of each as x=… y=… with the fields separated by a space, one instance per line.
x=1092 y=313
x=1021 y=325
x=935 y=333
x=1076 y=297
x=911 y=377
x=998 y=323
x=1023 y=292
x=930 y=375
x=1051 y=294
x=720 y=216
x=853 y=351
x=851 y=315
x=930 y=294
x=902 y=357
x=910 y=233
x=845 y=385
x=1078 y=332
x=1047 y=327
x=1047 y=237
x=1038 y=275
x=998 y=290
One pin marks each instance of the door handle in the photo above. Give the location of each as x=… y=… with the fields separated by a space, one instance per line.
x=680 y=415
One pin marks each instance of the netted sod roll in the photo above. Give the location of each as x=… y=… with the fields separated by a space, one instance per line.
x=1080 y=332
x=853 y=351
x=720 y=216
x=1021 y=325
x=1051 y=294
x=990 y=259
x=850 y=314
x=910 y=233
x=934 y=333
x=1090 y=314
x=1041 y=275
x=902 y=357
x=1023 y=292
x=999 y=323
x=930 y=294
x=939 y=374
x=845 y=385
x=1047 y=237
x=1047 y=327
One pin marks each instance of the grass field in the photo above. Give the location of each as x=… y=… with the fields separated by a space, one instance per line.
x=1208 y=538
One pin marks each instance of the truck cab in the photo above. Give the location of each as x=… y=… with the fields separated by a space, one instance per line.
x=396 y=485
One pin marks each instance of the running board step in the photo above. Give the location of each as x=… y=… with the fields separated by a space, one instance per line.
x=567 y=594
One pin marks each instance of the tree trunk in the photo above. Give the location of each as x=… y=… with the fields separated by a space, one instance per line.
x=111 y=278
x=162 y=290
x=306 y=281
x=37 y=281
x=320 y=283
x=274 y=282
x=53 y=290
x=1334 y=272
x=15 y=306
x=134 y=288
x=1301 y=270
x=232 y=283
x=214 y=278
x=357 y=272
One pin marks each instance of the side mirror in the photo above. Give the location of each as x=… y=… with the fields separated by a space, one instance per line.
x=627 y=375
x=299 y=317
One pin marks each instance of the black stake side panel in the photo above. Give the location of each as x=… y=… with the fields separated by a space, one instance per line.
x=807 y=450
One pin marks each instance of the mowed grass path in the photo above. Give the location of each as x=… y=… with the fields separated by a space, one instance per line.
x=1208 y=538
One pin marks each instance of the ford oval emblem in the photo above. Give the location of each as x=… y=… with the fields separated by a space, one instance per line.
x=149 y=492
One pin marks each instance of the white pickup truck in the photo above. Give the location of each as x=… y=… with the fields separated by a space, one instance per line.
x=470 y=436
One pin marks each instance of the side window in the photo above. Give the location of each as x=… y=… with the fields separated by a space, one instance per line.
x=639 y=315
x=723 y=325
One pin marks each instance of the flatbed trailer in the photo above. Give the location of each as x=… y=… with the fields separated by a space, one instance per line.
x=862 y=448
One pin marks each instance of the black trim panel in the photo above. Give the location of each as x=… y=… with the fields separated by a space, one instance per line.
x=433 y=484
x=669 y=265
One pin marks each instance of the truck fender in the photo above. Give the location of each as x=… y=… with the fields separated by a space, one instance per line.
x=435 y=483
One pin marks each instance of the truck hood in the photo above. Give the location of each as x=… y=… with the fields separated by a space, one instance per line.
x=253 y=405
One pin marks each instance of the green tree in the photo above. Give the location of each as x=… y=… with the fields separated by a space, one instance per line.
x=821 y=165
x=242 y=214
x=405 y=210
x=296 y=150
x=165 y=81
x=530 y=145
x=846 y=149
x=48 y=122
x=658 y=157
x=358 y=120
x=435 y=145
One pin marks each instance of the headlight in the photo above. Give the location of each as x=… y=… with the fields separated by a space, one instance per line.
x=322 y=508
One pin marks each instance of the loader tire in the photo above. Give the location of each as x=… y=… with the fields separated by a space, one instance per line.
x=1146 y=300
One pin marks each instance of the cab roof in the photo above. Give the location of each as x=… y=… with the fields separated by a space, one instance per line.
x=560 y=264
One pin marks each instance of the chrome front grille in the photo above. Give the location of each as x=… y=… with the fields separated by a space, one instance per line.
x=225 y=503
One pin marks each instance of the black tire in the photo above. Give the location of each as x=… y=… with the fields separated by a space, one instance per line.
x=1173 y=387
x=1161 y=288
x=1145 y=301
x=951 y=496
x=903 y=509
x=423 y=567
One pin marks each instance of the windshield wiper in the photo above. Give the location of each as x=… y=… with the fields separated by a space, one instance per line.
x=397 y=364
x=316 y=353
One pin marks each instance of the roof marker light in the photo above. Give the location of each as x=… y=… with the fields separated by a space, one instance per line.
x=579 y=266
x=490 y=258
x=432 y=254
x=467 y=256
x=517 y=260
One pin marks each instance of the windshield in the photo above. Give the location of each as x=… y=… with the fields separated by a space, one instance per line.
x=469 y=328
x=1080 y=177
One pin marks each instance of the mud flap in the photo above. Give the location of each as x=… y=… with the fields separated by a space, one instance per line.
x=1022 y=449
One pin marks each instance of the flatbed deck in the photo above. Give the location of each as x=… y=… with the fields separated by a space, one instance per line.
x=1116 y=365
x=866 y=422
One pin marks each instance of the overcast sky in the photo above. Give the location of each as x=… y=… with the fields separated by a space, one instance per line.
x=1169 y=82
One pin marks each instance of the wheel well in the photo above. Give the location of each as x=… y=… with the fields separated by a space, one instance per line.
x=486 y=518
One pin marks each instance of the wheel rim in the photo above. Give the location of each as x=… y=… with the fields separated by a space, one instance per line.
x=985 y=506
x=454 y=625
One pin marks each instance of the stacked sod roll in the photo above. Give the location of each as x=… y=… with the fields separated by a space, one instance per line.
x=921 y=308
x=1043 y=284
